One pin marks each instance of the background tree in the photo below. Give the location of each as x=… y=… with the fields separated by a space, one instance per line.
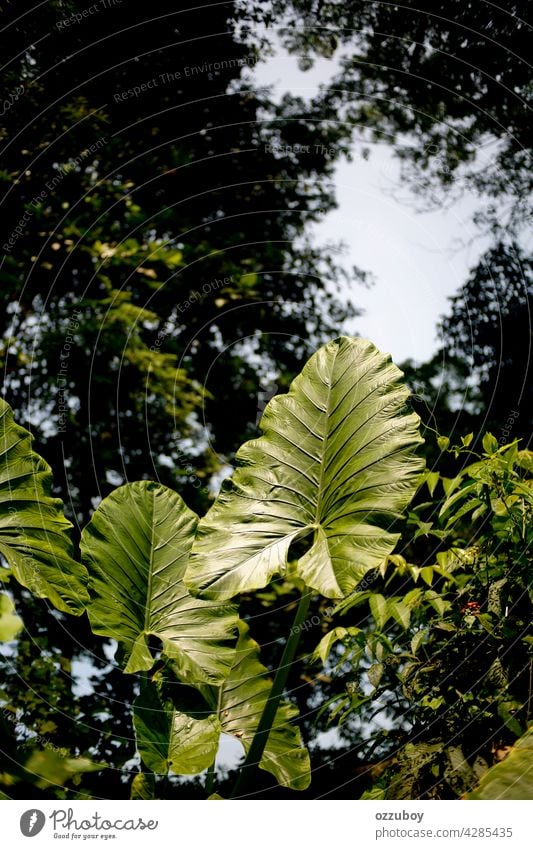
x=162 y=236
x=450 y=79
x=448 y=84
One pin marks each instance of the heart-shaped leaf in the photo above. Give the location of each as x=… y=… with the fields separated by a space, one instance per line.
x=34 y=533
x=182 y=741
x=136 y=548
x=241 y=702
x=335 y=463
x=168 y=739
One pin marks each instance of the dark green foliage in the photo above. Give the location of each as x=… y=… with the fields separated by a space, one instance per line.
x=163 y=267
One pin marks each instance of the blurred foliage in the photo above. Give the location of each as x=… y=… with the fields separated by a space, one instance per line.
x=446 y=648
x=29 y=757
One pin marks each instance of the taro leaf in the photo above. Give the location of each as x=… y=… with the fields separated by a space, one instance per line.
x=136 y=548
x=513 y=777
x=241 y=702
x=172 y=739
x=335 y=464
x=34 y=533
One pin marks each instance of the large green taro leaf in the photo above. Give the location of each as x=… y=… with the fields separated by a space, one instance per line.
x=136 y=548
x=34 y=533
x=335 y=463
x=168 y=738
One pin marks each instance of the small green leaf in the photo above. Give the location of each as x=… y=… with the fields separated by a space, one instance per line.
x=437 y=603
x=400 y=612
x=374 y=793
x=375 y=674
x=426 y=574
x=143 y=786
x=443 y=442
x=424 y=529
x=490 y=443
x=413 y=597
x=450 y=484
x=327 y=642
x=445 y=626
x=456 y=497
x=432 y=479
x=418 y=639
x=379 y=609
x=467 y=440
x=10 y=623
x=525 y=460
x=433 y=703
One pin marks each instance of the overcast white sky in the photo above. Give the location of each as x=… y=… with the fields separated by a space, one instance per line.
x=413 y=256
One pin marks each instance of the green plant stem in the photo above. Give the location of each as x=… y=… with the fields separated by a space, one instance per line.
x=530 y=689
x=255 y=752
x=210 y=780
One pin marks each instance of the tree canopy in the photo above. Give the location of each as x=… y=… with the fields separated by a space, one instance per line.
x=156 y=251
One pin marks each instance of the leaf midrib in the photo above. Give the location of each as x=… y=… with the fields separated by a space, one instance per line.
x=327 y=414
x=148 y=608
